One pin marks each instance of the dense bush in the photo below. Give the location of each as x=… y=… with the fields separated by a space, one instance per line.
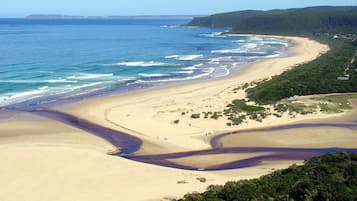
x=316 y=77
x=330 y=177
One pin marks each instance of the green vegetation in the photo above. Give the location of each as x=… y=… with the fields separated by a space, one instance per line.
x=327 y=74
x=287 y=22
x=336 y=103
x=216 y=115
x=294 y=108
x=239 y=110
x=241 y=106
x=223 y=19
x=316 y=77
x=329 y=177
x=333 y=72
x=195 y=116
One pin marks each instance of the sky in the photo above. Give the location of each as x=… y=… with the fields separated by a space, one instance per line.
x=20 y=8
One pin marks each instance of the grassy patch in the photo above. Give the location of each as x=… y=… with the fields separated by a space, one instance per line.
x=241 y=106
x=239 y=110
x=294 y=108
x=336 y=103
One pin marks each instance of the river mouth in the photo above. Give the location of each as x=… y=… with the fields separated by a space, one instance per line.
x=128 y=145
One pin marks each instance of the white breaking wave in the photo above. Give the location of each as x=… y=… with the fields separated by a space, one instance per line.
x=218 y=59
x=214 y=35
x=207 y=72
x=245 y=47
x=276 y=43
x=185 y=57
x=72 y=88
x=22 y=96
x=227 y=51
x=193 y=67
x=12 y=98
x=250 y=45
x=153 y=74
x=171 y=26
x=37 y=81
x=29 y=93
x=256 y=38
x=185 y=72
x=140 y=64
x=272 y=56
x=236 y=51
x=87 y=76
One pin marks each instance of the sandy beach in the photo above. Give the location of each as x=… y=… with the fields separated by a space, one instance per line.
x=48 y=160
x=150 y=114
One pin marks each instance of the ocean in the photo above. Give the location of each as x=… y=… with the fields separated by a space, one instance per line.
x=43 y=61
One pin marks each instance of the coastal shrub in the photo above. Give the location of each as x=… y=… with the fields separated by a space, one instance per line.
x=206 y=114
x=281 y=107
x=195 y=116
x=259 y=116
x=277 y=115
x=239 y=110
x=316 y=77
x=241 y=106
x=216 y=115
x=237 y=120
x=328 y=177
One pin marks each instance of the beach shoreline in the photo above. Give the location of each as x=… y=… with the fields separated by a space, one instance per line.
x=135 y=84
x=71 y=162
x=183 y=98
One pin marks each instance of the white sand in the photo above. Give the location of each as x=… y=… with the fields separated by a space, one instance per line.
x=73 y=166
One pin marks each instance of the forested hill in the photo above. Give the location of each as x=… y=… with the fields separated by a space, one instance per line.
x=295 y=21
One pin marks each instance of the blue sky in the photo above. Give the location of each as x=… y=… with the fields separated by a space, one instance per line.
x=19 y=8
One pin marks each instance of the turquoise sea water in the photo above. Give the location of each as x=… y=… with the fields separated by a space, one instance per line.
x=61 y=58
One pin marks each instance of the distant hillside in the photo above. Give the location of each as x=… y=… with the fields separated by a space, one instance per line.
x=53 y=16
x=330 y=177
x=289 y=21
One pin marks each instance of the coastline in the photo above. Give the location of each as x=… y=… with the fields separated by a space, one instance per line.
x=149 y=114
x=74 y=168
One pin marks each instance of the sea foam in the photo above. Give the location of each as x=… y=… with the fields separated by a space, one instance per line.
x=185 y=72
x=23 y=96
x=140 y=64
x=206 y=72
x=214 y=35
x=185 y=57
x=194 y=67
x=153 y=74
x=86 y=76
x=37 y=81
